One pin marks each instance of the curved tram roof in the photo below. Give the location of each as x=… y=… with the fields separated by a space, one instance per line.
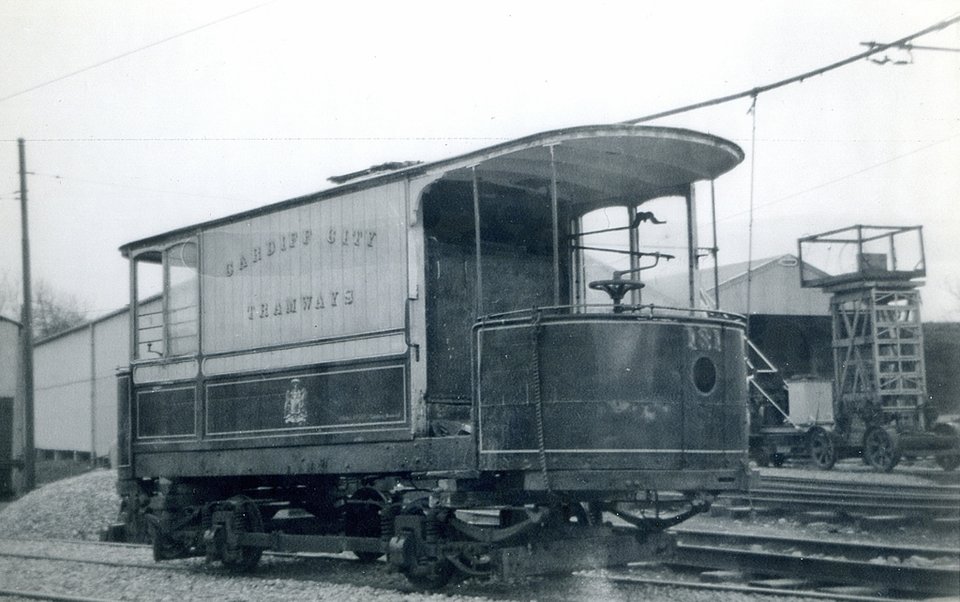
x=595 y=165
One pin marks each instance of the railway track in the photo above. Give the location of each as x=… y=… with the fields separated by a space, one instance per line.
x=858 y=499
x=810 y=564
x=897 y=568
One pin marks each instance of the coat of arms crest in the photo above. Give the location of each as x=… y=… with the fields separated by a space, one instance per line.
x=295 y=404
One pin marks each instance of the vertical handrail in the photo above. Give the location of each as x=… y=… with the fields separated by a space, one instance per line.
x=476 y=225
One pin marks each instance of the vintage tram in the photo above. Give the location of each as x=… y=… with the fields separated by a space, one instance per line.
x=422 y=363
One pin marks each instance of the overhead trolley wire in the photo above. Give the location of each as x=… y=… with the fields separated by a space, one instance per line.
x=843 y=177
x=754 y=92
x=138 y=188
x=134 y=51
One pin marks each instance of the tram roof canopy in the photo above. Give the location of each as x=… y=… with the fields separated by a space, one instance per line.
x=594 y=166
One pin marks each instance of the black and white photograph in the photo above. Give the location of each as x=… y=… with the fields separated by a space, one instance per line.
x=534 y=301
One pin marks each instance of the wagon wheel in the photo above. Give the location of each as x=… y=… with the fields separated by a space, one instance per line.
x=947 y=463
x=823 y=452
x=880 y=449
x=245 y=519
x=951 y=461
x=777 y=459
x=361 y=518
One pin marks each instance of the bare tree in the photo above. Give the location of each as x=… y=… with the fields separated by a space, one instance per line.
x=53 y=311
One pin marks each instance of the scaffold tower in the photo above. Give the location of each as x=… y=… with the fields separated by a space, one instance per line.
x=880 y=392
x=878 y=354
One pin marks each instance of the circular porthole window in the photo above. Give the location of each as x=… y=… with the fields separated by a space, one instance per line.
x=705 y=375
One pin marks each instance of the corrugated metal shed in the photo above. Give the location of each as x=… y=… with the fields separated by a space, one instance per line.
x=774 y=288
x=75 y=389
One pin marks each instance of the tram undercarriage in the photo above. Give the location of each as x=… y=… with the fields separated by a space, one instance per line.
x=431 y=542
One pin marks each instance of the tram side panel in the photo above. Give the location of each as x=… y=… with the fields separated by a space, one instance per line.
x=302 y=344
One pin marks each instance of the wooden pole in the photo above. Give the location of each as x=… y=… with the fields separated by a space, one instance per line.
x=26 y=335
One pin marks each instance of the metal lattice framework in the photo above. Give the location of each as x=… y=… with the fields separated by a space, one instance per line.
x=878 y=355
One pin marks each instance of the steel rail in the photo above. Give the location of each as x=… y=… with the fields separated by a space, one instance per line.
x=781 y=481
x=742 y=589
x=111 y=563
x=932 y=580
x=932 y=495
x=45 y=595
x=793 y=500
x=849 y=550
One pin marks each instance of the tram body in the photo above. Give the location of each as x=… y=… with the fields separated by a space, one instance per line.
x=390 y=353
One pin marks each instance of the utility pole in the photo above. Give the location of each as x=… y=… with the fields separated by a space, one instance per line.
x=26 y=336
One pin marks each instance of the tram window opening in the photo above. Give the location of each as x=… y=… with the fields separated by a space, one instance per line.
x=182 y=299
x=149 y=306
x=604 y=247
x=167 y=302
x=615 y=239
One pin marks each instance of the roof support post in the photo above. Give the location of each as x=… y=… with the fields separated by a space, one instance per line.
x=692 y=272
x=713 y=249
x=556 y=227
x=476 y=228
x=634 y=240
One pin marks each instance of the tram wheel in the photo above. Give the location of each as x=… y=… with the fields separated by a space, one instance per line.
x=245 y=518
x=777 y=459
x=362 y=518
x=823 y=452
x=166 y=548
x=880 y=449
x=435 y=576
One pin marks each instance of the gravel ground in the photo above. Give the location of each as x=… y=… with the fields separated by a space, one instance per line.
x=79 y=507
x=75 y=508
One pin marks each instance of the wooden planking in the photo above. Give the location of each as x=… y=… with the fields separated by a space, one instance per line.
x=332 y=268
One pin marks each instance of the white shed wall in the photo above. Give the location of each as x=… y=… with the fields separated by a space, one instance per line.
x=112 y=351
x=61 y=397
x=775 y=290
x=9 y=357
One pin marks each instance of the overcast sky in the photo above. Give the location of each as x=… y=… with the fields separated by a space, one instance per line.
x=245 y=109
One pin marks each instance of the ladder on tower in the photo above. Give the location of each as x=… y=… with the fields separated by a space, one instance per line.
x=878 y=352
